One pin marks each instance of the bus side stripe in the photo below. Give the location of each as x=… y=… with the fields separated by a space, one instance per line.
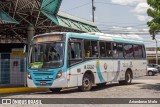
x=99 y=72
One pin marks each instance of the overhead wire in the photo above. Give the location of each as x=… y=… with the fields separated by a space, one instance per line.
x=109 y=27
x=77 y=7
x=114 y=4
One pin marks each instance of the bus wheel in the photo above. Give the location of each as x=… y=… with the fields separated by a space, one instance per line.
x=86 y=83
x=128 y=79
x=55 y=89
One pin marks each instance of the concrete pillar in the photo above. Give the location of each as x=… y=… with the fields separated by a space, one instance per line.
x=30 y=32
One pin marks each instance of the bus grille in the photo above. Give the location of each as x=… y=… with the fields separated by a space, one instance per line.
x=43 y=77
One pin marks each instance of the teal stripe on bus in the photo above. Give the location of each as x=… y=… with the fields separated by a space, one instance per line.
x=84 y=36
x=80 y=64
x=99 y=71
x=97 y=68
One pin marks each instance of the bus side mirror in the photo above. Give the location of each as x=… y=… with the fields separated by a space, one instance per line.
x=24 y=48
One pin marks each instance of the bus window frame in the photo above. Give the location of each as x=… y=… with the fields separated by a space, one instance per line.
x=79 y=40
x=89 y=58
x=140 y=58
x=117 y=45
x=132 y=48
x=106 y=50
x=144 y=51
x=100 y=49
x=38 y=43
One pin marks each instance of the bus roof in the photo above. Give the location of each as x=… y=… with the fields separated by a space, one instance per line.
x=133 y=39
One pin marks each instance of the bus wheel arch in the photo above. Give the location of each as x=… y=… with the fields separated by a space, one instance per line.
x=87 y=81
x=88 y=72
x=128 y=77
x=129 y=70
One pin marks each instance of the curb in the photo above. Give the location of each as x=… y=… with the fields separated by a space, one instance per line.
x=21 y=89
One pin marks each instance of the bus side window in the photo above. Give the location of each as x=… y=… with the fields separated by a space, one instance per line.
x=108 y=49
x=102 y=46
x=87 y=48
x=115 y=53
x=144 y=52
x=120 y=50
x=71 y=52
x=94 y=49
x=128 y=51
x=74 y=53
x=138 y=51
x=75 y=50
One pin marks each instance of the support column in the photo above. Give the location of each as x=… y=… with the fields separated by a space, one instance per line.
x=30 y=32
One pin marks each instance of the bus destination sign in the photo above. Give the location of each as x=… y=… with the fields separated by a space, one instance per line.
x=48 y=38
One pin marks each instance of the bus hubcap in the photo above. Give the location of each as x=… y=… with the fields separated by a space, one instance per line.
x=86 y=82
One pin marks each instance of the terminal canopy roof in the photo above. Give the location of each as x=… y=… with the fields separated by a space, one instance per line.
x=69 y=21
x=43 y=15
x=50 y=6
x=50 y=9
x=6 y=18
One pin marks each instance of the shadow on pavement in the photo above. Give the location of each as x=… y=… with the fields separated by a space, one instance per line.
x=98 y=88
x=75 y=90
x=155 y=87
x=13 y=94
x=71 y=90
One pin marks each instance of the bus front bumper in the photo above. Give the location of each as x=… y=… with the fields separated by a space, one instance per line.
x=57 y=83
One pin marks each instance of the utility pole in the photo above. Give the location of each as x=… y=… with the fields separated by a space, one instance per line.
x=156 y=52
x=93 y=10
x=153 y=37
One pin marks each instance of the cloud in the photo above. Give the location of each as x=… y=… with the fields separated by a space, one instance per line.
x=145 y=29
x=123 y=29
x=116 y=27
x=142 y=17
x=141 y=8
x=132 y=36
x=127 y=2
x=129 y=28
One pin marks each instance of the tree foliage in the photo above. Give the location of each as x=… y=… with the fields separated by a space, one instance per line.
x=154 y=12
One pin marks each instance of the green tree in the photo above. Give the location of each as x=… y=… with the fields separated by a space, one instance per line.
x=154 y=12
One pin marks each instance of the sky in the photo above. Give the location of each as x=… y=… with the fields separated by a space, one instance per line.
x=118 y=16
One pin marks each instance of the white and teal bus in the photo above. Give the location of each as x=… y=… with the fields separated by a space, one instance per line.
x=58 y=60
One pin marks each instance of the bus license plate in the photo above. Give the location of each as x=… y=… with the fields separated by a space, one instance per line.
x=43 y=83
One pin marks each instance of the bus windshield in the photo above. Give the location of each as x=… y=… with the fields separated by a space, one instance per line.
x=46 y=55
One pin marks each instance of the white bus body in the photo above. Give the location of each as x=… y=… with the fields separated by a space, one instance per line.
x=87 y=59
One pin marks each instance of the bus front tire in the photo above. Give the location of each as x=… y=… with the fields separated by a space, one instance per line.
x=55 y=89
x=128 y=79
x=86 y=83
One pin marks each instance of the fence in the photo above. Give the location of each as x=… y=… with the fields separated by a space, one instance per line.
x=12 y=70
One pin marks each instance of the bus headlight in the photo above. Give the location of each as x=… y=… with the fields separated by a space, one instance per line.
x=29 y=75
x=59 y=74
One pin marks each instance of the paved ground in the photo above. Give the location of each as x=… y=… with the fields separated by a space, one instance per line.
x=144 y=87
